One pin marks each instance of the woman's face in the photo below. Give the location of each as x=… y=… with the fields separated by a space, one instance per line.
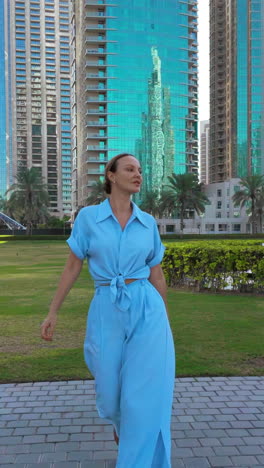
x=128 y=175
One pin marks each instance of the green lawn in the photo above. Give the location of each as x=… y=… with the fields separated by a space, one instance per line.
x=215 y=334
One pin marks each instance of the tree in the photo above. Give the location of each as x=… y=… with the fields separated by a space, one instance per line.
x=188 y=194
x=150 y=203
x=29 y=198
x=97 y=194
x=260 y=208
x=251 y=187
x=167 y=204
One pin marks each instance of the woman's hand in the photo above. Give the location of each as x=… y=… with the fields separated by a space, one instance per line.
x=48 y=327
x=70 y=274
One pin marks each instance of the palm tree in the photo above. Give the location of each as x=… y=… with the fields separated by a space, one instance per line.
x=251 y=187
x=188 y=193
x=260 y=208
x=97 y=194
x=151 y=203
x=167 y=203
x=29 y=198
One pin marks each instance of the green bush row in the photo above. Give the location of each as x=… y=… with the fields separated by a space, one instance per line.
x=215 y=266
x=177 y=237
x=34 y=237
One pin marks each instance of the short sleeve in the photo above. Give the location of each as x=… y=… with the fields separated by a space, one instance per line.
x=156 y=255
x=79 y=239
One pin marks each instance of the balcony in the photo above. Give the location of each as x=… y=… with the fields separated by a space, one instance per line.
x=95 y=171
x=98 y=52
x=96 y=112
x=94 y=27
x=99 y=3
x=97 y=88
x=91 y=39
x=96 y=135
x=96 y=100
x=99 y=112
x=98 y=15
x=98 y=148
x=97 y=64
x=97 y=124
x=94 y=159
x=97 y=76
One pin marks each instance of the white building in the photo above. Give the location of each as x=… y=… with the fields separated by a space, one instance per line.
x=220 y=217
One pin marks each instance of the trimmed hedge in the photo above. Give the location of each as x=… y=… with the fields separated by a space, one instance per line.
x=34 y=237
x=216 y=265
x=181 y=237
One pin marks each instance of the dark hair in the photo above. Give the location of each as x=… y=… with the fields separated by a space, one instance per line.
x=112 y=166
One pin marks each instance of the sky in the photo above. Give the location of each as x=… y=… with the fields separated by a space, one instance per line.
x=203 y=41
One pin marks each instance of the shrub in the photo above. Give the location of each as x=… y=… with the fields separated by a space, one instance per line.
x=215 y=265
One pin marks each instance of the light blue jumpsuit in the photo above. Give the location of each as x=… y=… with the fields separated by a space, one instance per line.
x=128 y=346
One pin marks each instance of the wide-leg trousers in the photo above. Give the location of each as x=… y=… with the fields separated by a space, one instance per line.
x=132 y=358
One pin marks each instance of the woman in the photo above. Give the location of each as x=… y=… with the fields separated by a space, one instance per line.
x=128 y=345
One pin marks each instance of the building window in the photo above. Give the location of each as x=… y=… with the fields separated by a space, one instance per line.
x=218 y=214
x=170 y=228
x=222 y=227
x=210 y=227
x=20 y=44
x=219 y=205
x=236 y=227
x=219 y=193
x=51 y=129
x=36 y=130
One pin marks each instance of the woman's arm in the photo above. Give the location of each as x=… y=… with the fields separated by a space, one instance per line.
x=158 y=280
x=70 y=274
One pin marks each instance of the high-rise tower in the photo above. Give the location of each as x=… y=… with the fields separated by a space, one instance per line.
x=236 y=88
x=204 y=151
x=3 y=174
x=136 y=87
x=38 y=94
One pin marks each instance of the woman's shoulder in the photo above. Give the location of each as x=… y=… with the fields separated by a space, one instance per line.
x=87 y=213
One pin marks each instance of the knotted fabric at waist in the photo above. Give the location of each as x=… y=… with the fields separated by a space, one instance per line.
x=119 y=292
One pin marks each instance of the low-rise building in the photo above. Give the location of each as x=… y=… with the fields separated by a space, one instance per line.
x=220 y=216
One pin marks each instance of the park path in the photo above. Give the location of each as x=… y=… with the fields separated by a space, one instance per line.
x=216 y=422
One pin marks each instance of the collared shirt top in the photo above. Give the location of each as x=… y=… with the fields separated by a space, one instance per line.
x=115 y=254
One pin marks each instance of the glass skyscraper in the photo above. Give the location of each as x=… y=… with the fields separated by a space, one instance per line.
x=136 y=87
x=237 y=88
x=38 y=86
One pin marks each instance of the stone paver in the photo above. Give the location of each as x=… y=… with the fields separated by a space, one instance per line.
x=216 y=422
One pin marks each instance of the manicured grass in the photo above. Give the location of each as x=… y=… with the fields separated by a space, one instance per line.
x=215 y=334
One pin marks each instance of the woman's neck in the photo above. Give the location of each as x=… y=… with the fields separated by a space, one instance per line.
x=120 y=204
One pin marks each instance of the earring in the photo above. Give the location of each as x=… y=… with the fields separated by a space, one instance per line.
x=113 y=181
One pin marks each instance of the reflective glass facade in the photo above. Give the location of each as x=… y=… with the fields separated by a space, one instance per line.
x=155 y=70
x=242 y=86
x=250 y=87
x=140 y=86
x=3 y=166
x=256 y=100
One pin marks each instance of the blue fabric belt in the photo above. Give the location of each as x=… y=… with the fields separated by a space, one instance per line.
x=119 y=292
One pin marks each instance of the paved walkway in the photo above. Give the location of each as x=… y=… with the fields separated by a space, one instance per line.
x=216 y=422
